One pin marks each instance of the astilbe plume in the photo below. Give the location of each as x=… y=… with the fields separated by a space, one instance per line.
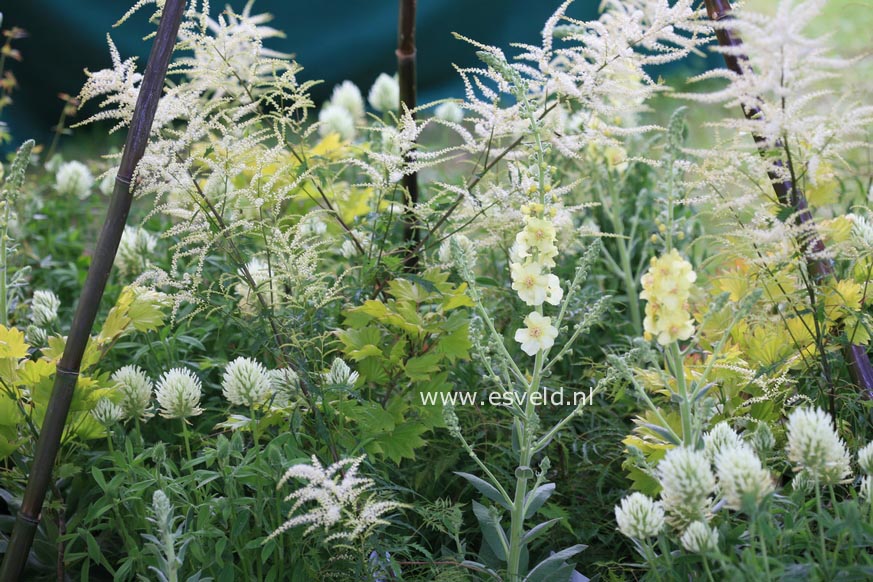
x=345 y=506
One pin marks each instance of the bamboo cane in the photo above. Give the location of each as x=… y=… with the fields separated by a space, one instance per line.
x=790 y=196
x=406 y=79
x=52 y=429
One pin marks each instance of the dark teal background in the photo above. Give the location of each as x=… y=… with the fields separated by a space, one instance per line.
x=333 y=39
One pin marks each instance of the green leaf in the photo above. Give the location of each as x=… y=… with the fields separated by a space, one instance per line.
x=455 y=345
x=401 y=443
x=538 y=530
x=555 y=568
x=536 y=498
x=485 y=489
x=421 y=367
x=492 y=531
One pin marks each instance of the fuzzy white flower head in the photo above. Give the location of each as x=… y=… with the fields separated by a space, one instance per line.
x=107 y=412
x=348 y=96
x=865 y=458
x=245 y=382
x=449 y=111
x=762 y=439
x=135 y=250
x=74 y=178
x=136 y=391
x=639 y=516
x=865 y=491
x=466 y=250
x=44 y=308
x=178 y=393
x=814 y=445
x=699 y=538
x=384 y=95
x=687 y=483
x=720 y=438
x=336 y=119
x=741 y=477
x=538 y=335
x=340 y=374
x=35 y=336
x=285 y=385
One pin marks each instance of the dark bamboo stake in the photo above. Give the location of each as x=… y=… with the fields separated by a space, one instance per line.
x=406 y=72
x=789 y=195
x=104 y=256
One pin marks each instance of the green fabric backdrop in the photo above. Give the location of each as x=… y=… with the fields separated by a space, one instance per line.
x=332 y=39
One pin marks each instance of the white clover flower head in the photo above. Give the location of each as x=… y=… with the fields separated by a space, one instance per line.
x=384 y=95
x=538 y=334
x=107 y=412
x=245 y=382
x=284 y=385
x=74 y=178
x=135 y=250
x=741 y=477
x=666 y=289
x=44 y=308
x=687 y=484
x=178 y=393
x=35 y=336
x=348 y=96
x=136 y=391
x=803 y=482
x=720 y=438
x=865 y=490
x=814 y=445
x=449 y=111
x=865 y=458
x=699 y=538
x=340 y=374
x=762 y=439
x=639 y=516
x=335 y=118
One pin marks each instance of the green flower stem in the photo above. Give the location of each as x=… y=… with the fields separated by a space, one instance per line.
x=821 y=536
x=674 y=359
x=649 y=553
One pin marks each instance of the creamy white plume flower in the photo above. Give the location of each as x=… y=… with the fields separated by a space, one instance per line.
x=107 y=412
x=312 y=224
x=814 y=445
x=741 y=477
x=538 y=334
x=44 y=308
x=136 y=390
x=135 y=250
x=340 y=374
x=384 y=95
x=699 y=538
x=74 y=178
x=865 y=458
x=449 y=111
x=348 y=96
x=335 y=499
x=639 y=516
x=687 y=484
x=335 y=118
x=178 y=393
x=245 y=382
x=720 y=438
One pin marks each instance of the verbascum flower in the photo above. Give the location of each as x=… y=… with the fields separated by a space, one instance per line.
x=340 y=374
x=107 y=412
x=699 y=538
x=44 y=308
x=449 y=111
x=666 y=288
x=178 y=394
x=334 y=118
x=741 y=477
x=537 y=240
x=538 y=334
x=720 y=438
x=245 y=382
x=814 y=445
x=135 y=250
x=384 y=95
x=136 y=392
x=348 y=96
x=687 y=483
x=530 y=282
x=639 y=517
x=865 y=458
x=74 y=178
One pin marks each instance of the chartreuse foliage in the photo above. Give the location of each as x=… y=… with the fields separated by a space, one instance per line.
x=401 y=347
